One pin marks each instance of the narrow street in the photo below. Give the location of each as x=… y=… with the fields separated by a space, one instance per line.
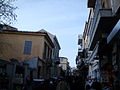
x=59 y=44
x=68 y=83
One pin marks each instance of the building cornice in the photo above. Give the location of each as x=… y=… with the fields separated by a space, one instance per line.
x=29 y=33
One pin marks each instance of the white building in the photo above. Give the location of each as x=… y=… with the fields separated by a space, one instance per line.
x=64 y=64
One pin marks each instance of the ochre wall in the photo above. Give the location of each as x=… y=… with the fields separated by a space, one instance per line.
x=12 y=46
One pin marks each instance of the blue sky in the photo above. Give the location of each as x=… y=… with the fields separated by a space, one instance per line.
x=63 y=18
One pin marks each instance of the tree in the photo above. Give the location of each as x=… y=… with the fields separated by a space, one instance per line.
x=7 y=15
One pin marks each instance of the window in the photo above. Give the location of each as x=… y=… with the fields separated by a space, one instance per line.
x=27 y=47
x=50 y=53
x=61 y=60
x=45 y=51
x=103 y=5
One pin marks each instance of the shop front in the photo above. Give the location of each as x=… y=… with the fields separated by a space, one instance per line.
x=18 y=78
x=4 y=79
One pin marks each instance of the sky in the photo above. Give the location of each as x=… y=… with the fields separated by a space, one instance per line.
x=63 y=18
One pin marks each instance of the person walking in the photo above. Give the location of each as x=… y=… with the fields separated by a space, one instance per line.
x=62 y=85
x=28 y=85
x=96 y=86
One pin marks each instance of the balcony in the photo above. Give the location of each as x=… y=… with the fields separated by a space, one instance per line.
x=94 y=53
x=113 y=33
x=79 y=39
x=80 y=64
x=49 y=62
x=91 y=3
x=103 y=22
x=56 y=60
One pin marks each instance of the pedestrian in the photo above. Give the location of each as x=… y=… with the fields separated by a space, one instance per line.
x=96 y=86
x=62 y=85
x=28 y=85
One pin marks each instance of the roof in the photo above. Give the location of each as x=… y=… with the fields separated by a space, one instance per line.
x=7 y=27
x=52 y=37
x=29 y=33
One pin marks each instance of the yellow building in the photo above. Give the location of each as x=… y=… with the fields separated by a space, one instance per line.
x=24 y=45
x=27 y=46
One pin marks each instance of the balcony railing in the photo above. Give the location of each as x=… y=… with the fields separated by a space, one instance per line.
x=98 y=13
x=95 y=50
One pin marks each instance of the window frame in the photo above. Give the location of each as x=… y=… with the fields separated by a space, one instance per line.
x=27 y=47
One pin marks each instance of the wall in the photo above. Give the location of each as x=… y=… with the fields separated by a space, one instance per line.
x=12 y=46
